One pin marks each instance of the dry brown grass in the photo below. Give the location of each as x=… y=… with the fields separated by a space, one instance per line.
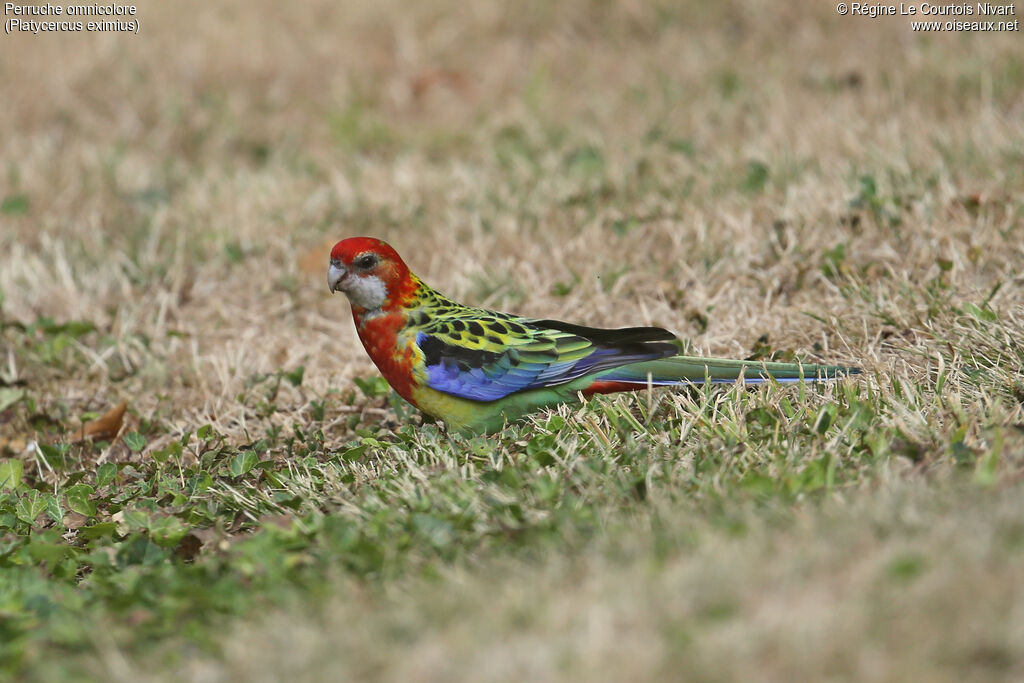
x=678 y=164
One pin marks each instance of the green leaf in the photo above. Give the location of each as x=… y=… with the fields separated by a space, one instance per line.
x=78 y=328
x=759 y=484
x=53 y=508
x=79 y=499
x=867 y=195
x=962 y=453
x=756 y=177
x=585 y=161
x=200 y=482
x=98 y=530
x=243 y=462
x=30 y=506
x=10 y=473
x=135 y=442
x=295 y=376
x=834 y=261
x=166 y=532
x=136 y=519
x=71 y=328
x=7 y=521
x=105 y=474
x=55 y=455
x=987 y=465
x=372 y=387
x=15 y=205
x=9 y=396
x=826 y=416
x=906 y=567
x=354 y=453
x=683 y=146
x=555 y=423
x=161 y=455
x=983 y=314
x=50 y=553
x=438 y=531
x=234 y=252
x=620 y=227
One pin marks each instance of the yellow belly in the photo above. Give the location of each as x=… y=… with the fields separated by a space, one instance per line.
x=468 y=416
x=459 y=414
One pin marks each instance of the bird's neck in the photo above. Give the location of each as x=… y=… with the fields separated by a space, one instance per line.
x=379 y=331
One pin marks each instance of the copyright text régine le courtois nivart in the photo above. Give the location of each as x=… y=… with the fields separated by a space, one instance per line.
x=926 y=9
x=55 y=18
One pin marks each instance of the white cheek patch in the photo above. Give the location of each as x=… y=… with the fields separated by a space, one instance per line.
x=367 y=292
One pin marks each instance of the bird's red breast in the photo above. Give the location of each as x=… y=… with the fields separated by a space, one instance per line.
x=380 y=338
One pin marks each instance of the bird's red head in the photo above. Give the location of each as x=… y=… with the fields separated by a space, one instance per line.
x=369 y=271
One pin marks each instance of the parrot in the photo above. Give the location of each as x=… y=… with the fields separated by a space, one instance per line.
x=476 y=369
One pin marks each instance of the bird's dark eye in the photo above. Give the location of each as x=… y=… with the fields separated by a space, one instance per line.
x=366 y=262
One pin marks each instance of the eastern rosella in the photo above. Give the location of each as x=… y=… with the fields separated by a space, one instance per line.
x=475 y=368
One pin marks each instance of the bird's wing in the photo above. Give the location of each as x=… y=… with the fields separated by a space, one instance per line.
x=487 y=356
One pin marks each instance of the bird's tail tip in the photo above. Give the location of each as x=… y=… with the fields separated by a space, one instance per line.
x=697 y=370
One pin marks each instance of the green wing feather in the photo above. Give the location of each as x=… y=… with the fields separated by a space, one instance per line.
x=482 y=355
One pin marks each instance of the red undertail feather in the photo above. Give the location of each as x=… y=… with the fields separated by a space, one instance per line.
x=601 y=386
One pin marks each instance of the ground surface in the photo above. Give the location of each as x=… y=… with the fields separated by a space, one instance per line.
x=778 y=182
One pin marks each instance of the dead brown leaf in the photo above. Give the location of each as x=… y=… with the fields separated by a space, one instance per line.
x=105 y=427
x=428 y=79
x=972 y=201
x=12 y=445
x=280 y=521
x=75 y=520
x=189 y=547
x=314 y=260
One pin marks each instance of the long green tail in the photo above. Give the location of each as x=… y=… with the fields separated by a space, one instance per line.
x=696 y=369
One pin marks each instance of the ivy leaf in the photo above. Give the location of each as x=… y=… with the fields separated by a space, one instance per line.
x=9 y=396
x=135 y=442
x=105 y=474
x=79 y=499
x=243 y=462
x=30 y=506
x=10 y=473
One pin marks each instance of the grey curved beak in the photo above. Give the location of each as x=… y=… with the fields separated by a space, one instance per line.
x=335 y=274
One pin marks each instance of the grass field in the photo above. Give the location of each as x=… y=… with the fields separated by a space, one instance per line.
x=767 y=182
